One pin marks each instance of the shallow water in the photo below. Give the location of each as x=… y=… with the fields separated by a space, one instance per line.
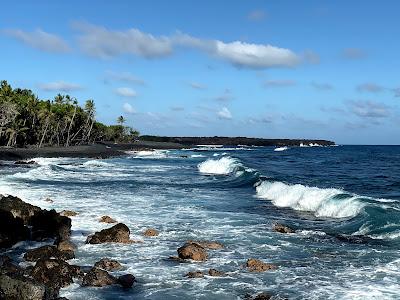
x=234 y=196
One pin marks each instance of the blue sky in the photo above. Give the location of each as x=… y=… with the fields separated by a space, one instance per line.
x=275 y=69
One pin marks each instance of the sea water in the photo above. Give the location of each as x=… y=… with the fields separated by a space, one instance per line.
x=344 y=203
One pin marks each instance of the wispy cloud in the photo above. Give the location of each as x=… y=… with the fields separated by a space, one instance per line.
x=197 y=85
x=59 y=86
x=128 y=109
x=256 y=15
x=224 y=114
x=370 y=87
x=353 y=53
x=396 y=92
x=126 y=92
x=123 y=77
x=225 y=96
x=177 y=108
x=39 y=39
x=311 y=57
x=321 y=86
x=279 y=83
x=369 y=109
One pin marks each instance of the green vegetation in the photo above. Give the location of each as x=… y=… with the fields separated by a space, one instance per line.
x=27 y=120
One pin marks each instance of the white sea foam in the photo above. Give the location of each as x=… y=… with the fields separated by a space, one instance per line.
x=197 y=155
x=223 y=166
x=321 y=202
x=281 y=149
x=96 y=163
x=156 y=154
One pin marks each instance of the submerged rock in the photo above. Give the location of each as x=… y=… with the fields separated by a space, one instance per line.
x=261 y=296
x=117 y=234
x=107 y=219
x=108 y=264
x=50 y=224
x=54 y=273
x=215 y=273
x=18 y=287
x=24 y=162
x=208 y=244
x=48 y=200
x=195 y=274
x=126 y=281
x=12 y=229
x=192 y=251
x=7 y=265
x=46 y=252
x=151 y=232
x=283 y=228
x=98 y=277
x=68 y=213
x=255 y=265
x=18 y=208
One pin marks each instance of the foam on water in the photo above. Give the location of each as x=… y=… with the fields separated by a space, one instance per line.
x=223 y=166
x=151 y=154
x=279 y=149
x=321 y=202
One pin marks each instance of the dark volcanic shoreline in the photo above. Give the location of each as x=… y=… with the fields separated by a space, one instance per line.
x=110 y=149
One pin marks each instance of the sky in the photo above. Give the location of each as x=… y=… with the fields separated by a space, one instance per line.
x=273 y=69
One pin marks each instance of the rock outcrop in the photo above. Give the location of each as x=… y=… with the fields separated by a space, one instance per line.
x=192 y=251
x=108 y=264
x=18 y=287
x=126 y=281
x=12 y=229
x=98 y=277
x=283 y=228
x=68 y=213
x=117 y=234
x=46 y=252
x=150 y=232
x=50 y=224
x=195 y=274
x=107 y=219
x=208 y=244
x=18 y=208
x=255 y=265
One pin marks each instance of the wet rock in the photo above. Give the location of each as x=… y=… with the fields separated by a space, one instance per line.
x=24 y=162
x=195 y=274
x=107 y=219
x=192 y=251
x=117 y=234
x=68 y=213
x=208 y=244
x=177 y=259
x=108 y=264
x=151 y=232
x=7 y=265
x=66 y=246
x=215 y=273
x=46 y=252
x=54 y=273
x=255 y=265
x=50 y=224
x=283 y=228
x=18 y=208
x=12 y=229
x=126 y=281
x=18 y=287
x=261 y=296
x=354 y=239
x=48 y=200
x=98 y=277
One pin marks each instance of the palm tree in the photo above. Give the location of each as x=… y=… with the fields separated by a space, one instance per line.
x=75 y=102
x=121 y=120
x=90 y=110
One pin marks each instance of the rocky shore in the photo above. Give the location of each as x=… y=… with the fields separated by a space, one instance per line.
x=47 y=269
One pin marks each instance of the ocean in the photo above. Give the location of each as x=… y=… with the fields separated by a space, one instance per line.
x=343 y=202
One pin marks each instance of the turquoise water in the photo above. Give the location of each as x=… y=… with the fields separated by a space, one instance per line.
x=344 y=203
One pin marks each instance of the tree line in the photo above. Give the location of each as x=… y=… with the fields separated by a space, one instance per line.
x=27 y=120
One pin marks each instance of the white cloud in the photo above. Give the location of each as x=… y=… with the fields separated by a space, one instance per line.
x=279 y=83
x=224 y=113
x=126 y=92
x=128 y=108
x=225 y=96
x=39 y=39
x=197 y=86
x=369 y=109
x=124 y=77
x=104 y=43
x=59 y=86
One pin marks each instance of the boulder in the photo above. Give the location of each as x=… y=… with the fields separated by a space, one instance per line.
x=283 y=228
x=68 y=213
x=208 y=244
x=126 y=281
x=66 y=246
x=54 y=273
x=25 y=162
x=46 y=252
x=215 y=273
x=48 y=200
x=107 y=219
x=255 y=265
x=192 y=251
x=117 y=234
x=7 y=265
x=108 y=264
x=98 y=277
x=18 y=287
x=150 y=232
x=50 y=224
x=12 y=229
x=18 y=208
x=195 y=274
x=261 y=296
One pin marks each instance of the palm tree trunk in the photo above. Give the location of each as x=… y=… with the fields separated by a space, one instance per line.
x=70 y=126
x=44 y=133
